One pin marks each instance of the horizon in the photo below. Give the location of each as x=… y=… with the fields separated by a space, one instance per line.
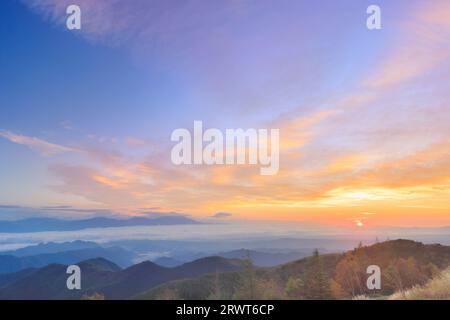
x=215 y=233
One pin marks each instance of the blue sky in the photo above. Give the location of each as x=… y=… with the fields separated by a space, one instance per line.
x=86 y=82
x=86 y=115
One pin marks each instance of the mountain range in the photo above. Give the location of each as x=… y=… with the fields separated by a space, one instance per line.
x=53 y=224
x=120 y=256
x=273 y=281
x=203 y=278
x=258 y=258
x=102 y=276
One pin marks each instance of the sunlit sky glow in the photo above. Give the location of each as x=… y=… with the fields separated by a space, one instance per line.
x=364 y=116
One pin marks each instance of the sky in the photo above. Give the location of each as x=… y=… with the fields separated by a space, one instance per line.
x=86 y=115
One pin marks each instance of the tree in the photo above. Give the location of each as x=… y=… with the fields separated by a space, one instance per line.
x=294 y=288
x=216 y=293
x=268 y=289
x=336 y=290
x=393 y=280
x=317 y=282
x=247 y=289
x=403 y=274
x=349 y=276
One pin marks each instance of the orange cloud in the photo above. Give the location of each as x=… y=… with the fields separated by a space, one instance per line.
x=347 y=157
x=109 y=182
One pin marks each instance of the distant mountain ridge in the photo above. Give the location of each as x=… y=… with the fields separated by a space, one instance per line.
x=258 y=257
x=264 y=259
x=44 y=254
x=51 y=247
x=168 y=262
x=102 y=276
x=53 y=224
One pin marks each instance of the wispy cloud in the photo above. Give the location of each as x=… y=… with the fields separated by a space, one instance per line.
x=39 y=145
x=124 y=21
x=423 y=46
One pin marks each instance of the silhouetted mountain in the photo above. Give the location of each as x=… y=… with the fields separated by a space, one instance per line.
x=264 y=259
x=209 y=265
x=188 y=250
x=51 y=224
x=147 y=274
x=101 y=276
x=11 y=277
x=100 y=264
x=50 y=282
x=120 y=256
x=135 y=279
x=52 y=247
x=258 y=258
x=168 y=262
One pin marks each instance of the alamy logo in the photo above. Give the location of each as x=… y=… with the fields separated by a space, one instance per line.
x=73 y=21
x=74 y=280
x=237 y=146
x=374 y=20
x=374 y=280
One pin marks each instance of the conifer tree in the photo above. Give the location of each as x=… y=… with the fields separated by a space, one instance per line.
x=317 y=282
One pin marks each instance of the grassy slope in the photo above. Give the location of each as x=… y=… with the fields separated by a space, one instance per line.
x=437 y=288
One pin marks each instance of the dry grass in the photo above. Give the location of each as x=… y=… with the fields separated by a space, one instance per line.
x=437 y=288
x=361 y=297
